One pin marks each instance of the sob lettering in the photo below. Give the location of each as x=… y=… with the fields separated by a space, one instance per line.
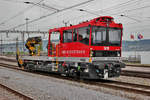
x=73 y=52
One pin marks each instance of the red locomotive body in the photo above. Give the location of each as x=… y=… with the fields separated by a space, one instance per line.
x=79 y=40
x=91 y=49
x=97 y=41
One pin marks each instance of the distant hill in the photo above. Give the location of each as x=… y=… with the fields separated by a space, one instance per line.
x=140 y=45
x=12 y=46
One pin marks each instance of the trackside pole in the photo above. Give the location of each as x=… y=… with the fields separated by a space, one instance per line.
x=20 y=62
x=39 y=48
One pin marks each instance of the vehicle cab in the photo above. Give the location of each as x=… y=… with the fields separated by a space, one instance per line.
x=101 y=35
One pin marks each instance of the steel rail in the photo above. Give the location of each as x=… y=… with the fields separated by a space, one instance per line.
x=136 y=65
x=16 y=93
x=123 y=86
x=139 y=74
x=6 y=59
x=119 y=86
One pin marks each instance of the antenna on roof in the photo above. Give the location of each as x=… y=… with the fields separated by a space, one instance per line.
x=65 y=23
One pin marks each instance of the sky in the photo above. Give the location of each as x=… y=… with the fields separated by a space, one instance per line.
x=136 y=19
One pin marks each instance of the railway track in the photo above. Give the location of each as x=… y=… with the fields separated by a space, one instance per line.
x=16 y=93
x=129 y=73
x=117 y=85
x=139 y=74
x=6 y=59
x=136 y=65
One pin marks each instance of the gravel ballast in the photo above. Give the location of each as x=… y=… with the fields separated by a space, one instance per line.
x=48 y=88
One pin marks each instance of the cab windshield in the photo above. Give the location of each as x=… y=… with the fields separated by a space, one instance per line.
x=102 y=36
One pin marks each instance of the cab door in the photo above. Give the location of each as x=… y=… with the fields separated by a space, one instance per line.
x=54 y=44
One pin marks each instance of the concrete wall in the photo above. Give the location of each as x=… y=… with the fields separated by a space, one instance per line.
x=145 y=58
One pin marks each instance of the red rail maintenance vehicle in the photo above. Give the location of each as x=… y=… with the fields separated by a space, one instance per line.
x=90 y=50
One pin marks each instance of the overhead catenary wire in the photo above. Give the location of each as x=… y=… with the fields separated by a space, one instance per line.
x=126 y=4
x=115 y=7
x=19 y=31
x=119 y=5
x=37 y=19
x=43 y=6
x=106 y=9
x=18 y=14
x=112 y=7
x=13 y=1
x=128 y=10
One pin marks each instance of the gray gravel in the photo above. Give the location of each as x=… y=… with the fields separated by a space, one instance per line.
x=47 y=88
x=135 y=80
x=6 y=95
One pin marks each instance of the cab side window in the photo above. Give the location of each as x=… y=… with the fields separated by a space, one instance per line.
x=75 y=35
x=67 y=36
x=55 y=37
x=83 y=35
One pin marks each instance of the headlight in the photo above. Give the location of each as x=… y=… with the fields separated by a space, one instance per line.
x=86 y=70
x=118 y=54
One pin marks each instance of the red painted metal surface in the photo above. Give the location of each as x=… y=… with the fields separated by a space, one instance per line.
x=74 y=49
x=77 y=49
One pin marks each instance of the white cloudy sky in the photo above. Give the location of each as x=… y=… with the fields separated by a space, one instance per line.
x=137 y=14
